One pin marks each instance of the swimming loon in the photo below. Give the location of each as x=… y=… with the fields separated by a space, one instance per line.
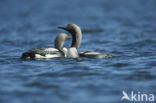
x=76 y=41
x=47 y=53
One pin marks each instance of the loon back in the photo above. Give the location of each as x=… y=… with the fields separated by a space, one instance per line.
x=43 y=53
x=89 y=54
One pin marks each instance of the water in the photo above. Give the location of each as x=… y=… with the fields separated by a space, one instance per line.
x=125 y=29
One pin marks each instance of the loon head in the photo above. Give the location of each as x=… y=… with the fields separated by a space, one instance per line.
x=72 y=28
x=63 y=37
x=60 y=39
x=76 y=34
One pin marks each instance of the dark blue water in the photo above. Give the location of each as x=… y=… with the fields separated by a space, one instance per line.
x=124 y=28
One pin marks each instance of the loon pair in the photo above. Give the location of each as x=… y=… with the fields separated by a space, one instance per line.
x=60 y=50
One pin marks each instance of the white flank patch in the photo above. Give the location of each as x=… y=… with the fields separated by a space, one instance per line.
x=51 y=49
x=47 y=56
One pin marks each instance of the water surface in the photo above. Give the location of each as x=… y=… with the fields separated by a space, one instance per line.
x=125 y=29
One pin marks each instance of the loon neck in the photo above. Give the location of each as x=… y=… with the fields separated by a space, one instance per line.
x=76 y=38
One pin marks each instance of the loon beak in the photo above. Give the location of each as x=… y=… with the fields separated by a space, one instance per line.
x=65 y=28
x=62 y=28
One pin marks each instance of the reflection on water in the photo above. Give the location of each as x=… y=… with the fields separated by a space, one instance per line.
x=125 y=29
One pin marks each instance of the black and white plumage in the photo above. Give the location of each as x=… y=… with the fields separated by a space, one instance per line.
x=90 y=54
x=48 y=53
x=76 y=41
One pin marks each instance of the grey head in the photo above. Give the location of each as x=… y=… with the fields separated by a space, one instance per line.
x=76 y=34
x=60 y=39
